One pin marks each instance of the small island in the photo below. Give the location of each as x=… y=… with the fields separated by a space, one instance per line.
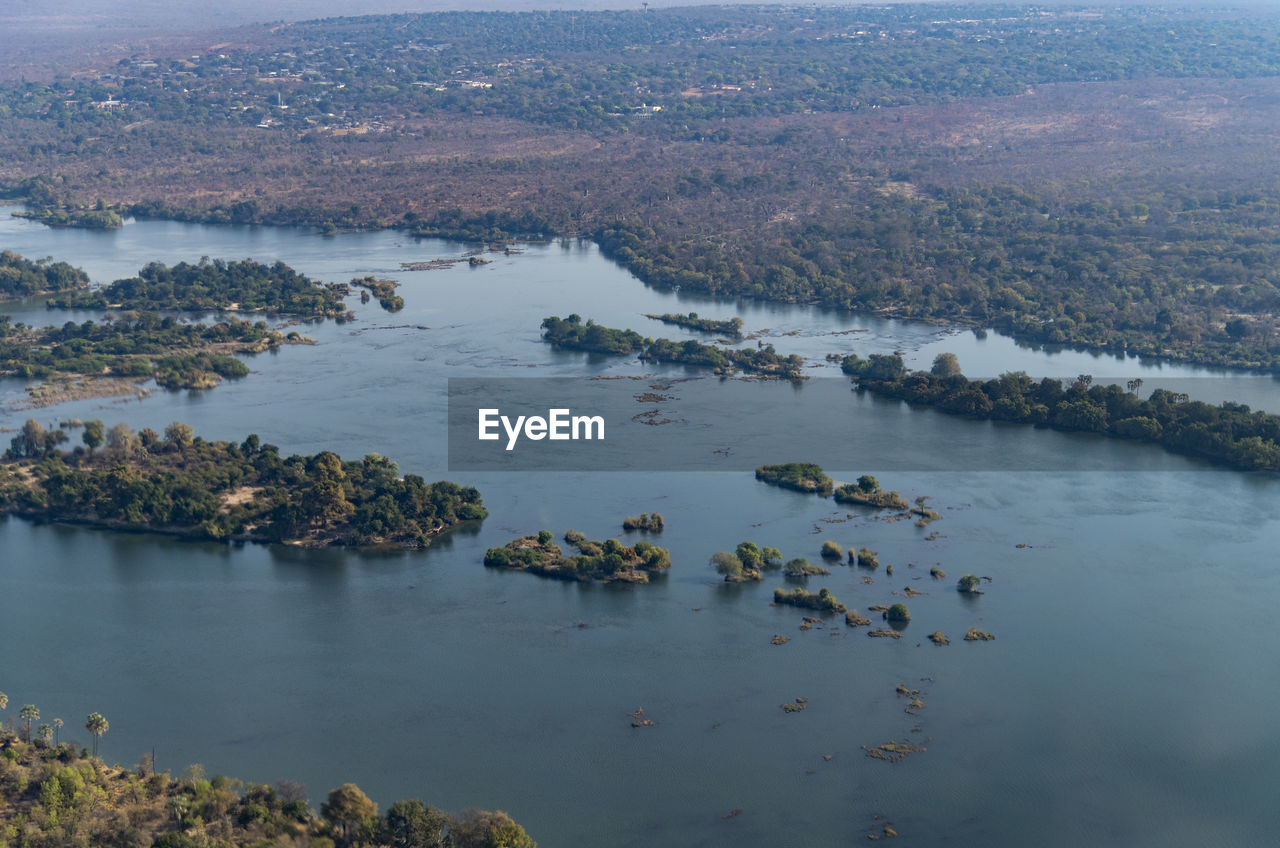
x=96 y=217
x=867 y=492
x=383 y=290
x=799 y=476
x=215 y=285
x=746 y=563
x=606 y=562
x=177 y=355
x=573 y=334
x=649 y=523
x=823 y=600
x=731 y=327
x=21 y=277
x=180 y=484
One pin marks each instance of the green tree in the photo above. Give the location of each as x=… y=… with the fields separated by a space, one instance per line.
x=179 y=434
x=945 y=365
x=95 y=433
x=968 y=584
x=97 y=725
x=413 y=824
x=898 y=612
x=45 y=732
x=28 y=714
x=348 y=810
x=485 y=829
x=57 y=726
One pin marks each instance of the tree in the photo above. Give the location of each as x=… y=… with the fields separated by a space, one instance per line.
x=727 y=564
x=4 y=700
x=348 y=809
x=868 y=484
x=945 y=365
x=831 y=550
x=45 y=732
x=179 y=435
x=121 y=441
x=898 y=612
x=968 y=584
x=96 y=724
x=28 y=714
x=413 y=824
x=57 y=726
x=485 y=829
x=94 y=434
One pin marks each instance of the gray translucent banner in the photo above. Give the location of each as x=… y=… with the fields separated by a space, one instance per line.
x=706 y=423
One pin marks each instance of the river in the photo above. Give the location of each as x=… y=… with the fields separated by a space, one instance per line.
x=1126 y=698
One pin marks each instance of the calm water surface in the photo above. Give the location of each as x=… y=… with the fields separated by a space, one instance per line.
x=1125 y=700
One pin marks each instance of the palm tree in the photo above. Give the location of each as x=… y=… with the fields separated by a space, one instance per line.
x=28 y=714
x=57 y=725
x=96 y=724
x=4 y=702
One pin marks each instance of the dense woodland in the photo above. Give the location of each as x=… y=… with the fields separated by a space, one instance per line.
x=20 y=277
x=181 y=484
x=56 y=795
x=176 y=355
x=1097 y=177
x=245 y=285
x=1230 y=434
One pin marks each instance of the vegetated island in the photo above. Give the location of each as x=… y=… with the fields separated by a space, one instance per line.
x=57 y=793
x=731 y=327
x=1230 y=434
x=867 y=492
x=607 y=562
x=244 y=286
x=180 y=484
x=95 y=217
x=177 y=355
x=648 y=522
x=573 y=334
x=822 y=600
x=21 y=277
x=799 y=476
x=747 y=562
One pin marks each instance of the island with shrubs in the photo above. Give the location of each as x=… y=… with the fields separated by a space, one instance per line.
x=1229 y=434
x=53 y=792
x=573 y=333
x=144 y=346
x=177 y=483
x=730 y=327
x=798 y=476
x=605 y=562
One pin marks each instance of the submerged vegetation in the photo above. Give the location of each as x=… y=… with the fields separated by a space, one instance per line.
x=246 y=286
x=55 y=794
x=1229 y=434
x=608 y=561
x=181 y=484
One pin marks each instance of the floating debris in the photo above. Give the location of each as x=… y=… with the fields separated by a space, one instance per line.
x=892 y=751
x=731 y=814
x=638 y=719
